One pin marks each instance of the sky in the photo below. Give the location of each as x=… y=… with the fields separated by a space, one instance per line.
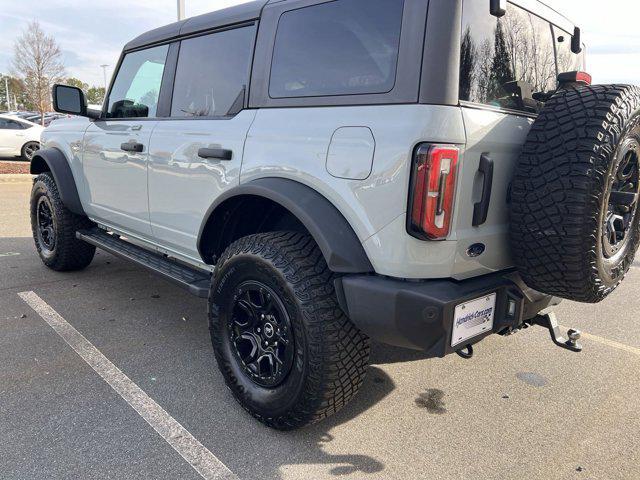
x=92 y=32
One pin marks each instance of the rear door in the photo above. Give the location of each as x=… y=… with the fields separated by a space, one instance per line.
x=116 y=148
x=508 y=67
x=196 y=153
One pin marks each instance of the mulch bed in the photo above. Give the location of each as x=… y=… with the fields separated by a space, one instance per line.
x=14 y=167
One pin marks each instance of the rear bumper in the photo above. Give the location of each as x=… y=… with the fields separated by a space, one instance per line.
x=419 y=314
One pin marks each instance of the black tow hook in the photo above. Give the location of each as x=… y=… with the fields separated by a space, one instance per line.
x=550 y=322
x=466 y=352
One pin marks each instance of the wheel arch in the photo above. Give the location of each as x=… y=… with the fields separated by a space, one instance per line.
x=269 y=204
x=54 y=161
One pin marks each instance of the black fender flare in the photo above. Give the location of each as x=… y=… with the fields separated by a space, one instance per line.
x=337 y=241
x=53 y=160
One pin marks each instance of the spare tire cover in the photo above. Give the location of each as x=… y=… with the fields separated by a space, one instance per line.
x=574 y=220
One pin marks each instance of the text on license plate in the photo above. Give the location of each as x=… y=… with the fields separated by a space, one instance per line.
x=473 y=318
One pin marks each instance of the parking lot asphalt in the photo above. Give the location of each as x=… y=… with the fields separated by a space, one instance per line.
x=521 y=408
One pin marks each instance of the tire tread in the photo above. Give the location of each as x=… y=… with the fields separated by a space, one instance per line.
x=338 y=351
x=559 y=184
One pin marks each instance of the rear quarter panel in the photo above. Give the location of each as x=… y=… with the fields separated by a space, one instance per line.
x=293 y=143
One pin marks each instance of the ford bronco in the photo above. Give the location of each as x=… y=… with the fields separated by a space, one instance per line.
x=331 y=172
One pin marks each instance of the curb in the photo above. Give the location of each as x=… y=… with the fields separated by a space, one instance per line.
x=16 y=177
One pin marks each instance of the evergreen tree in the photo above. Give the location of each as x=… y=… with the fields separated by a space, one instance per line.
x=501 y=71
x=468 y=60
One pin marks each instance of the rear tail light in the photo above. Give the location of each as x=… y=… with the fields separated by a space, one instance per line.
x=432 y=191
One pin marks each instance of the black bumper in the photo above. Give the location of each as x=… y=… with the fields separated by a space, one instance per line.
x=419 y=314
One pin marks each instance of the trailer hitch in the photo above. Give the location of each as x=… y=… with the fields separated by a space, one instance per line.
x=550 y=322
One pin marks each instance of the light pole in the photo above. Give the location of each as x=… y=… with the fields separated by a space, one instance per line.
x=180 y=10
x=104 y=74
x=6 y=93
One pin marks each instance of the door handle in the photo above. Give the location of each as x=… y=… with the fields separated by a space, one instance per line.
x=481 y=209
x=132 y=147
x=219 y=153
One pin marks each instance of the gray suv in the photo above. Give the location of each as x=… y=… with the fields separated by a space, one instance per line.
x=418 y=173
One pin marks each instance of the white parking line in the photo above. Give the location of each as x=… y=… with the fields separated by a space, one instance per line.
x=196 y=454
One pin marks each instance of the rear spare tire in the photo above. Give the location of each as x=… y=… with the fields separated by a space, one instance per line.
x=574 y=198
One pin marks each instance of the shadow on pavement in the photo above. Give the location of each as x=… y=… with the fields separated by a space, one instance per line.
x=376 y=387
x=386 y=354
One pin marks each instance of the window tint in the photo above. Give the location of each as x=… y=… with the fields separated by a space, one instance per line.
x=6 y=124
x=567 y=60
x=506 y=62
x=212 y=74
x=137 y=85
x=342 y=47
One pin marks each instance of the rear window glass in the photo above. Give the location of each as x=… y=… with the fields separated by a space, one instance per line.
x=344 y=47
x=506 y=62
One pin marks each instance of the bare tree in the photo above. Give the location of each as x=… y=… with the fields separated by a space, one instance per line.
x=37 y=62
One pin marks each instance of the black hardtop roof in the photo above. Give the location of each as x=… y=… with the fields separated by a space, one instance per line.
x=228 y=16
x=252 y=10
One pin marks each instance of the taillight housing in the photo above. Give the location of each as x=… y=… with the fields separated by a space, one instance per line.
x=431 y=197
x=571 y=78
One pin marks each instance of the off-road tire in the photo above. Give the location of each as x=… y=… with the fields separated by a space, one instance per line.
x=560 y=196
x=68 y=253
x=331 y=355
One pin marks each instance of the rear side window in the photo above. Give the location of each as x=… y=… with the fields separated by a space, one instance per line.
x=344 y=47
x=212 y=74
x=137 y=85
x=6 y=124
x=506 y=62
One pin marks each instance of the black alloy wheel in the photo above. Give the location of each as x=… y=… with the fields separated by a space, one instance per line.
x=54 y=228
x=260 y=331
x=622 y=204
x=46 y=229
x=285 y=348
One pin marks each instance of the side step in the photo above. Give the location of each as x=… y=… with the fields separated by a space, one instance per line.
x=196 y=281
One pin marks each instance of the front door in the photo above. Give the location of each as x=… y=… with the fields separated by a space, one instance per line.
x=116 y=148
x=196 y=154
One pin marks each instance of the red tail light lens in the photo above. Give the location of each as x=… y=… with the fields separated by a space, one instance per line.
x=575 y=77
x=432 y=191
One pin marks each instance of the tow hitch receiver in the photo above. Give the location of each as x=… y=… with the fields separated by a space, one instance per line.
x=550 y=322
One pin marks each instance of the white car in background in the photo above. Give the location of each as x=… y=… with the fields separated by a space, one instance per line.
x=18 y=137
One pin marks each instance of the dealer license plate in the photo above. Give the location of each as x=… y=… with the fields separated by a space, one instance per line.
x=473 y=318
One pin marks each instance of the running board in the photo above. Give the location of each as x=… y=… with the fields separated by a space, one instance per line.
x=195 y=281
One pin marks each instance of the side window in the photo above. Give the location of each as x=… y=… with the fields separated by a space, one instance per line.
x=6 y=124
x=567 y=60
x=212 y=74
x=506 y=62
x=137 y=86
x=344 y=47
